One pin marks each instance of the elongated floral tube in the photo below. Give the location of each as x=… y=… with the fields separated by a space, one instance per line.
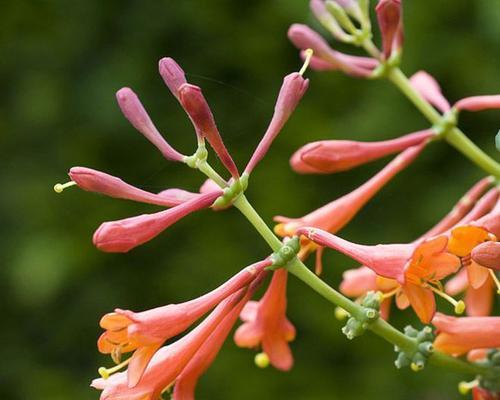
x=459 y=211
x=293 y=88
x=487 y=255
x=185 y=384
x=335 y=215
x=457 y=336
x=134 y=111
x=329 y=156
x=167 y=363
x=99 y=182
x=172 y=75
x=387 y=260
x=304 y=38
x=491 y=221
x=483 y=206
x=196 y=106
x=123 y=235
x=391 y=26
x=478 y=103
x=367 y=64
x=429 y=88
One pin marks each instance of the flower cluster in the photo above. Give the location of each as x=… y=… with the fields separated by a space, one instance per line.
x=462 y=248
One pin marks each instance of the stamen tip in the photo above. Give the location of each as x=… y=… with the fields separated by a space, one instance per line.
x=307 y=59
x=460 y=307
x=59 y=187
x=103 y=372
x=261 y=360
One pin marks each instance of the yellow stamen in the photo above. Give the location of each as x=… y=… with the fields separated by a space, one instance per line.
x=107 y=372
x=390 y=294
x=341 y=314
x=466 y=387
x=261 y=360
x=495 y=279
x=416 y=366
x=308 y=55
x=459 y=305
x=59 y=187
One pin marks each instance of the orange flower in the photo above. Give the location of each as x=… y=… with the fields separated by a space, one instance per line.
x=265 y=323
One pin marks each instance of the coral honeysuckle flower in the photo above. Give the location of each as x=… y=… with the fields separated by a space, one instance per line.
x=478 y=103
x=457 y=336
x=329 y=156
x=479 y=393
x=168 y=362
x=185 y=384
x=325 y=57
x=265 y=324
x=335 y=215
x=144 y=332
x=359 y=281
x=478 y=301
x=390 y=21
x=430 y=90
x=418 y=267
x=487 y=255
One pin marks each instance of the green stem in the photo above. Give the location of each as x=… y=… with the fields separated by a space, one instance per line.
x=296 y=267
x=453 y=136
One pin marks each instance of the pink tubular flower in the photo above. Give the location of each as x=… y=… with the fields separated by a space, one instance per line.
x=292 y=90
x=123 y=235
x=196 y=107
x=186 y=382
x=429 y=88
x=99 y=182
x=335 y=215
x=457 y=336
x=416 y=266
x=390 y=21
x=304 y=38
x=487 y=255
x=146 y=331
x=329 y=156
x=167 y=363
x=479 y=393
x=478 y=103
x=134 y=111
x=265 y=323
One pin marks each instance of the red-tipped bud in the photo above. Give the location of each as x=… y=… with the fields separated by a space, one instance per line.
x=478 y=103
x=389 y=17
x=429 y=88
x=196 y=106
x=329 y=156
x=123 y=235
x=292 y=90
x=488 y=255
x=134 y=111
x=172 y=74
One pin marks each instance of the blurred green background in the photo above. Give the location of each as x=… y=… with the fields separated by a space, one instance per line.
x=62 y=61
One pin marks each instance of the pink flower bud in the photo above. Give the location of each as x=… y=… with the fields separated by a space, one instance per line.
x=172 y=74
x=329 y=156
x=196 y=106
x=305 y=38
x=123 y=235
x=478 y=103
x=134 y=111
x=100 y=182
x=292 y=90
x=429 y=88
x=487 y=255
x=391 y=25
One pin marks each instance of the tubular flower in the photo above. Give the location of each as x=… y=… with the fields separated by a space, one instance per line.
x=358 y=282
x=418 y=267
x=479 y=393
x=325 y=57
x=167 y=363
x=265 y=324
x=457 y=336
x=487 y=255
x=144 y=332
x=329 y=156
x=335 y=215
x=185 y=384
x=390 y=21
